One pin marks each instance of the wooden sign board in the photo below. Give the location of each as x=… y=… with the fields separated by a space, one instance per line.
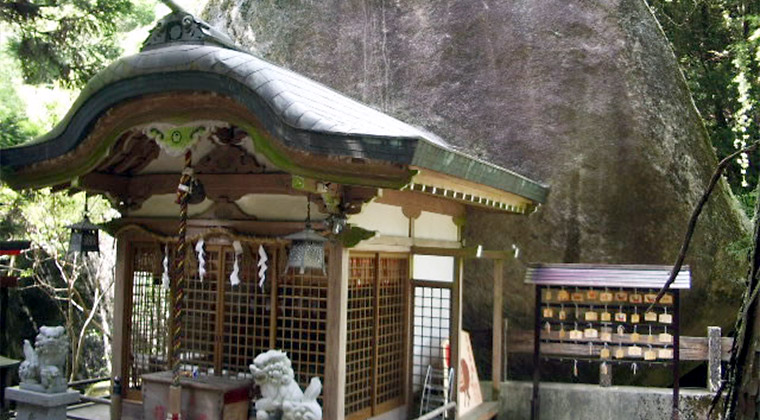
x=468 y=387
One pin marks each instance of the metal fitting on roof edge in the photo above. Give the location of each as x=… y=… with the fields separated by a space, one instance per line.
x=174 y=6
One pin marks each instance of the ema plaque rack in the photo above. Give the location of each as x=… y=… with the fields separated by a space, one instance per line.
x=606 y=314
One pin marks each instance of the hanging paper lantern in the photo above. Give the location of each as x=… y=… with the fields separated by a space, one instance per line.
x=307 y=250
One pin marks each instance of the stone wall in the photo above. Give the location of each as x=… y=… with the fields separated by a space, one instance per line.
x=561 y=401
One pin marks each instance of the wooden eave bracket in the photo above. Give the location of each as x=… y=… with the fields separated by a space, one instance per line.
x=472 y=199
x=335 y=198
x=130 y=192
x=470 y=193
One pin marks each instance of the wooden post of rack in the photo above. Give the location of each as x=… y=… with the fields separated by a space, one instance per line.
x=714 y=351
x=676 y=350
x=535 y=401
x=605 y=375
x=498 y=301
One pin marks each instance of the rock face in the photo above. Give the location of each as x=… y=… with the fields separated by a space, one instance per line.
x=585 y=96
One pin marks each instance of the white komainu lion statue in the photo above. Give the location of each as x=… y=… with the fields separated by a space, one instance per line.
x=281 y=398
x=44 y=367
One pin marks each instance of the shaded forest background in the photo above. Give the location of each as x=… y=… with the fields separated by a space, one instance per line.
x=49 y=49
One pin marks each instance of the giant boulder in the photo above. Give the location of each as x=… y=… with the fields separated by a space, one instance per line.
x=585 y=96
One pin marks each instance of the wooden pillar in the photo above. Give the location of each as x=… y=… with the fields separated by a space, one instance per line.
x=337 y=325
x=498 y=301
x=3 y=332
x=505 y=355
x=409 y=362
x=456 y=325
x=122 y=291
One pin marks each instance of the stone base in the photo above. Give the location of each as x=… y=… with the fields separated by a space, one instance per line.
x=38 y=405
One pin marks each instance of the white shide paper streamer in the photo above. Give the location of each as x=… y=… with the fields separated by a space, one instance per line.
x=235 y=276
x=262 y=266
x=165 y=274
x=201 y=259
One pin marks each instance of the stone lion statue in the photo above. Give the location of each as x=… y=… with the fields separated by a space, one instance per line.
x=44 y=366
x=281 y=398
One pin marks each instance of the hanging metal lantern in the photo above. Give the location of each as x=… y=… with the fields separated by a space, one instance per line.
x=197 y=192
x=307 y=248
x=84 y=235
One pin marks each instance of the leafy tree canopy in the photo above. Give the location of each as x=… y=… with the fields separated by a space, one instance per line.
x=68 y=41
x=15 y=127
x=717 y=43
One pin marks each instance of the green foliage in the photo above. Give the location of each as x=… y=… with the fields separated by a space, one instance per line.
x=717 y=43
x=42 y=216
x=15 y=127
x=57 y=287
x=748 y=201
x=68 y=41
x=141 y=14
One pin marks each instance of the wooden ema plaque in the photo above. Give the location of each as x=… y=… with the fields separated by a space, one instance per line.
x=605 y=315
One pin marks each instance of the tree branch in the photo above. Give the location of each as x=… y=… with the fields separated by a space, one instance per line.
x=695 y=215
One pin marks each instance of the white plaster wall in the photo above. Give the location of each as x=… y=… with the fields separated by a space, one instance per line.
x=383 y=218
x=274 y=207
x=435 y=226
x=163 y=205
x=280 y=207
x=433 y=267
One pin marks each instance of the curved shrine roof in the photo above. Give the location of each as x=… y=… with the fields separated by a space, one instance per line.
x=301 y=113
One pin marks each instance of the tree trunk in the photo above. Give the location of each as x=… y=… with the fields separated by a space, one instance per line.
x=748 y=365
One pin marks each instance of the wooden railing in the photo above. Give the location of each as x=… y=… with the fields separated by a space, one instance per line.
x=714 y=348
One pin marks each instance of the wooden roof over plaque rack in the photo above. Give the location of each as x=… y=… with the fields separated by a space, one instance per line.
x=190 y=78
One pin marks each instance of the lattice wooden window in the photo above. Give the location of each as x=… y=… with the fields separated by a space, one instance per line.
x=201 y=313
x=361 y=331
x=149 y=315
x=247 y=312
x=225 y=326
x=376 y=349
x=432 y=331
x=302 y=322
x=391 y=344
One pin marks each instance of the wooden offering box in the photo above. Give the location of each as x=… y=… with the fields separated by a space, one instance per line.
x=203 y=398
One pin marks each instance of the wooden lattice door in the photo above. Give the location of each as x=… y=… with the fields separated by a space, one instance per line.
x=376 y=342
x=148 y=316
